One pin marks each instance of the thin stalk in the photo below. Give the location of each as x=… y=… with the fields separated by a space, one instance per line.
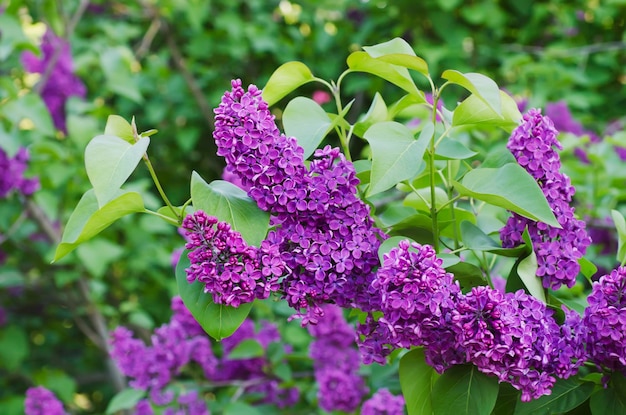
x=157 y=183
x=433 y=174
x=164 y=217
x=450 y=190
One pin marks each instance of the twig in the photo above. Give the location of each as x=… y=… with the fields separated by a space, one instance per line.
x=148 y=38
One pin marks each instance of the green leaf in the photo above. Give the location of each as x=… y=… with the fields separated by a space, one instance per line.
x=116 y=63
x=526 y=269
x=59 y=382
x=218 y=320
x=124 y=399
x=119 y=127
x=566 y=395
x=620 y=226
x=285 y=79
x=396 y=154
x=417 y=379
x=30 y=107
x=397 y=75
x=463 y=390
x=611 y=400
x=304 y=119
x=98 y=255
x=449 y=149
x=510 y=187
x=478 y=84
x=398 y=52
x=587 y=268
x=508 y=397
x=376 y=113
x=12 y=36
x=247 y=349
x=110 y=160
x=421 y=199
x=88 y=220
x=475 y=239
x=229 y=203
x=475 y=110
x=468 y=275
x=14 y=347
x=240 y=408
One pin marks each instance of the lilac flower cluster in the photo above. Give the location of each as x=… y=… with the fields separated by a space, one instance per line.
x=336 y=362
x=564 y=122
x=323 y=231
x=417 y=300
x=557 y=250
x=512 y=336
x=174 y=345
x=61 y=83
x=182 y=341
x=231 y=270
x=12 y=176
x=383 y=402
x=41 y=401
x=605 y=321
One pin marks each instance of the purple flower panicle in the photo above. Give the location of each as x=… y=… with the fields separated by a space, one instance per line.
x=557 y=250
x=322 y=229
x=417 y=300
x=12 y=174
x=383 y=402
x=231 y=270
x=61 y=83
x=41 y=401
x=605 y=321
x=336 y=362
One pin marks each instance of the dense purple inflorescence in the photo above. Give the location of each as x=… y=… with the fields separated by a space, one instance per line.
x=605 y=321
x=417 y=300
x=12 y=174
x=323 y=230
x=183 y=341
x=514 y=337
x=61 y=83
x=231 y=270
x=336 y=362
x=41 y=401
x=557 y=250
x=383 y=402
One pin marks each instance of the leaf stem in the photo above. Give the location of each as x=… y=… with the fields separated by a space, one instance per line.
x=433 y=173
x=164 y=217
x=157 y=183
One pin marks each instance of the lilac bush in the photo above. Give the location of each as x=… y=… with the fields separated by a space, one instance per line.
x=397 y=234
x=12 y=178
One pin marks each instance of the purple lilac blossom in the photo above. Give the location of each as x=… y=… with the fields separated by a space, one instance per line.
x=514 y=337
x=418 y=298
x=41 y=401
x=231 y=270
x=557 y=250
x=383 y=402
x=336 y=361
x=173 y=346
x=61 y=83
x=12 y=176
x=143 y=407
x=322 y=229
x=605 y=321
